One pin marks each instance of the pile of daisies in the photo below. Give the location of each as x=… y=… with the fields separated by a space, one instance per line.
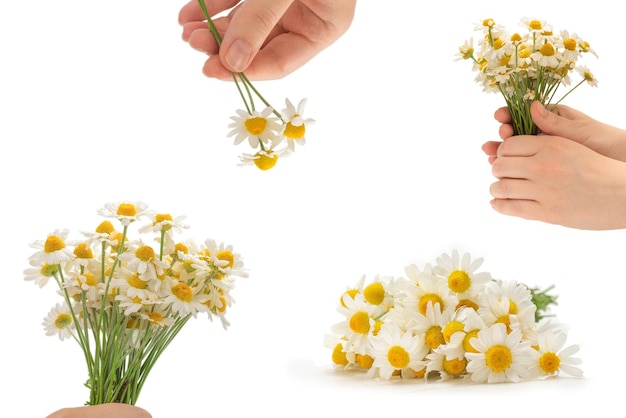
x=449 y=321
x=127 y=288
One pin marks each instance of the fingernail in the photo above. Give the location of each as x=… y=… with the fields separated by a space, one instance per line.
x=238 y=55
x=542 y=110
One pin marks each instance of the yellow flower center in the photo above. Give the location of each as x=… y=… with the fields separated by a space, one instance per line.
x=450 y=328
x=161 y=217
x=498 y=358
x=339 y=356
x=63 y=320
x=144 y=253
x=182 y=248
x=489 y=23
x=49 y=270
x=459 y=281
x=420 y=373
x=83 y=251
x=455 y=366
x=431 y=298
x=105 y=227
x=506 y=320
x=570 y=44
x=434 y=337
x=535 y=25
x=126 y=209
x=156 y=317
x=377 y=326
x=498 y=43
x=467 y=346
x=364 y=361
x=516 y=37
x=525 y=53
x=53 y=243
x=398 y=357
x=228 y=256
x=374 y=293
x=295 y=132
x=360 y=323
x=549 y=362
x=90 y=279
x=182 y=292
x=256 y=125
x=264 y=161
x=136 y=282
x=547 y=50
x=467 y=303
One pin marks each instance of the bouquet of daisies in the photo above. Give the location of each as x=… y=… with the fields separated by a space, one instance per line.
x=527 y=67
x=447 y=321
x=124 y=298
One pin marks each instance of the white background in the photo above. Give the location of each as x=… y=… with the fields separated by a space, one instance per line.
x=103 y=101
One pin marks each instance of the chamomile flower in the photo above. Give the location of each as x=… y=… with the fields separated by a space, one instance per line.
x=184 y=299
x=40 y=273
x=501 y=357
x=550 y=358
x=164 y=222
x=446 y=362
x=143 y=260
x=396 y=351
x=358 y=325
x=431 y=324
x=59 y=321
x=428 y=290
x=461 y=273
x=53 y=250
x=126 y=211
x=257 y=127
x=295 y=125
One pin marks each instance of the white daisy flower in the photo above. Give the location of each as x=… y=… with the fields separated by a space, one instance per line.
x=164 y=222
x=54 y=249
x=550 y=358
x=59 y=321
x=184 y=299
x=358 y=325
x=396 y=351
x=445 y=360
x=429 y=289
x=131 y=284
x=295 y=124
x=461 y=273
x=255 y=127
x=126 y=212
x=431 y=324
x=104 y=233
x=40 y=274
x=144 y=260
x=501 y=357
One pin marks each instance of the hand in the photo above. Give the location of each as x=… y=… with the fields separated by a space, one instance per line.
x=559 y=181
x=568 y=123
x=267 y=39
x=117 y=410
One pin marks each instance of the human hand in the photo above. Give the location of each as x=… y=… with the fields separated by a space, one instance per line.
x=117 y=410
x=556 y=180
x=267 y=39
x=569 y=123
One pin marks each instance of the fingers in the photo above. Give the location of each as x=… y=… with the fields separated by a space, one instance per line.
x=562 y=121
x=117 y=410
x=526 y=209
x=248 y=30
x=191 y=12
x=503 y=115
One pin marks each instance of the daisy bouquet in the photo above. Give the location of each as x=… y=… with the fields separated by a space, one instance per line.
x=269 y=132
x=447 y=321
x=124 y=297
x=527 y=67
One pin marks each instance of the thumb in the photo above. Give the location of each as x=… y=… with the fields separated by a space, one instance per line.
x=563 y=121
x=248 y=30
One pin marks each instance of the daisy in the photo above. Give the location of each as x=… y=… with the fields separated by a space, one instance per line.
x=431 y=324
x=501 y=356
x=446 y=362
x=460 y=273
x=143 y=260
x=225 y=259
x=184 y=299
x=40 y=274
x=131 y=284
x=587 y=75
x=54 y=249
x=164 y=222
x=550 y=358
x=103 y=234
x=396 y=351
x=126 y=212
x=294 y=124
x=59 y=321
x=428 y=289
x=257 y=127
x=264 y=159
x=358 y=325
